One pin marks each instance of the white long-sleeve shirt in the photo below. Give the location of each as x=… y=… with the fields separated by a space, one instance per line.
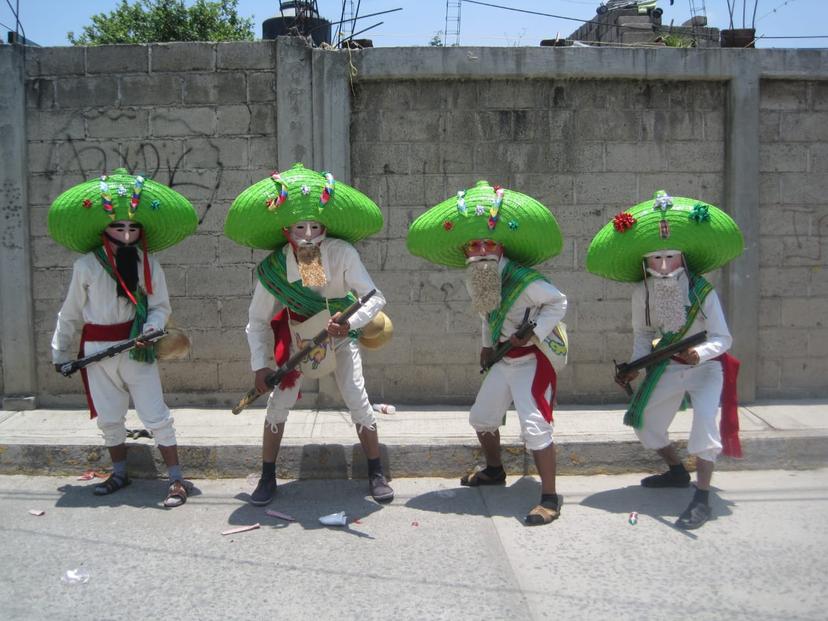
x=710 y=318
x=547 y=307
x=93 y=298
x=344 y=272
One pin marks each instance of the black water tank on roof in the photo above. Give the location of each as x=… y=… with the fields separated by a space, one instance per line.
x=318 y=28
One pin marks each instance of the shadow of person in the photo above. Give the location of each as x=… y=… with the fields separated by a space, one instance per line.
x=511 y=501
x=140 y=493
x=662 y=505
x=307 y=501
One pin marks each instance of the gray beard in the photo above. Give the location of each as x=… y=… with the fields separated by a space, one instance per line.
x=483 y=284
x=309 y=262
x=667 y=303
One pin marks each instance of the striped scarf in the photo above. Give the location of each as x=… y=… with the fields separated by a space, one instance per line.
x=139 y=299
x=634 y=417
x=514 y=280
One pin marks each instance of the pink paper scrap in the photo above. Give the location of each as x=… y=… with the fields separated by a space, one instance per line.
x=281 y=516
x=240 y=529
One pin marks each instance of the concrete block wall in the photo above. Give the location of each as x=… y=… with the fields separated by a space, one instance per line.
x=587 y=149
x=793 y=225
x=200 y=117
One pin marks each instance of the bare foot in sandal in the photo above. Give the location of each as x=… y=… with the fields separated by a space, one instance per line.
x=491 y=475
x=176 y=495
x=544 y=513
x=111 y=485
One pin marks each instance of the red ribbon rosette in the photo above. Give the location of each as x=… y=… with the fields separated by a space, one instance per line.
x=623 y=222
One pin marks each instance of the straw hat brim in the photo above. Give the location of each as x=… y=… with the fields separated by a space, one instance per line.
x=706 y=235
x=378 y=332
x=78 y=216
x=526 y=228
x=256 y=220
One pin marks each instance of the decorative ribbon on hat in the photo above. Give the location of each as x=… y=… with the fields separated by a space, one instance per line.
x=494 y=211
x=328 y=191
x=663 y=202
x=106 y=198
x=274 y=203
x=136 y=195
x=461 y=202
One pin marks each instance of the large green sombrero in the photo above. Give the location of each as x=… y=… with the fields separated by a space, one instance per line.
x=260 y=212
x=527 y=230
x=706 y=235
x=79 y=215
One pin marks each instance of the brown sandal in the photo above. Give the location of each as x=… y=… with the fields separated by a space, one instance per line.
x=176 y=495
x=478 y=478
x=542 y=515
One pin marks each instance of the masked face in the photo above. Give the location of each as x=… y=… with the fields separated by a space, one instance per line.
x=307 y=233
x=664 y=263
x=482 y=250
x=124 y=232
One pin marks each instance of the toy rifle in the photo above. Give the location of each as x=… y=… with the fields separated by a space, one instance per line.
x=76 y=365
x=657 y=356
x=524 y=329
x=274 y=378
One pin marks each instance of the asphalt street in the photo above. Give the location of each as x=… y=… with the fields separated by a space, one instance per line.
x=438 y=551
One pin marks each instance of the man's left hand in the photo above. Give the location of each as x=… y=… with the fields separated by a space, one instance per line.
x=516 y=342
x=338 y=329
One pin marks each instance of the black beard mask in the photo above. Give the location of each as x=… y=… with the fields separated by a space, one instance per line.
x=126 y=262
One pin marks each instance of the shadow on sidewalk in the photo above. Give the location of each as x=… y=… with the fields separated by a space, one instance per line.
x=140 y=493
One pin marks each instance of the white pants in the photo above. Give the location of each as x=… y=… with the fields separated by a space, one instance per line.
x=510 y=381
x=111 y=383
x=704 y=385
x=348 y=374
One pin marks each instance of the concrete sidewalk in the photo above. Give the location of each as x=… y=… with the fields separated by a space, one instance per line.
x=417 y=441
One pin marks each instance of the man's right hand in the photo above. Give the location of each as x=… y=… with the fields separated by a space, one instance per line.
x=486 y=354
x=260 y=377
x=622 y=379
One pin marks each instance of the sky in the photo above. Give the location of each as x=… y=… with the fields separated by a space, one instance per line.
x=420 y=20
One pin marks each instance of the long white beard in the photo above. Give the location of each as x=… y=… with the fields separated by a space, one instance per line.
x=483 y=285
x=668 y=298
x=309 y=263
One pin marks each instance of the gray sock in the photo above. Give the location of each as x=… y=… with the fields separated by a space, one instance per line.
x=119 y=469
x=175 y=473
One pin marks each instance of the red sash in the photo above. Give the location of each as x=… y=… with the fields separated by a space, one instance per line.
x=280 y=325
x=100 y=333
x=545 y=377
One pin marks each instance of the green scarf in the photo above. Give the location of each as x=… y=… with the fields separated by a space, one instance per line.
x=514 y=280
x=300 y=300
x=634 y=417
x=139 y=354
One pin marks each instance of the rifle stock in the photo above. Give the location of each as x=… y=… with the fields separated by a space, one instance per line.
x=656 y=356
x=68 y=368
x=274 y=378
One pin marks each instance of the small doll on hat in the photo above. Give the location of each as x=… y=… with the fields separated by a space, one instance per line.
x=118 y=292
x=665 y=245
x=310 y=221
x=496 y=235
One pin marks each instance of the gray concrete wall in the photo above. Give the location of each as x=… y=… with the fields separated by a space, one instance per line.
x=588 y=132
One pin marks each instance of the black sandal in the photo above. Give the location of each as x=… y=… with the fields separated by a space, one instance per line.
x=111 y=485
x=478 y=478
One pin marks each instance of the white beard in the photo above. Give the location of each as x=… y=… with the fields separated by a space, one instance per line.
x=483 y=285
x=668 y=299
x=309 y=263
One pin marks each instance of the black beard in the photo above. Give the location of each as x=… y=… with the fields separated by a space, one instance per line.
x=126 y=262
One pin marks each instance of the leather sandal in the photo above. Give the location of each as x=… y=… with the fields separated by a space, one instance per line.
x=542 y=515
x=111 y=485
x=478 y=478
x=176 y=495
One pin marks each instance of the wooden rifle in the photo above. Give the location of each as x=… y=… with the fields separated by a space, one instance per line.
x=524 y=329
x=70 y=367
x=657 y=356
x=274 y=378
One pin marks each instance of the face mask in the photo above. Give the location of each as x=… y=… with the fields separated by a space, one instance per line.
x=482 y=250
x=124 y=232
x=307 y=233
x=665 y=263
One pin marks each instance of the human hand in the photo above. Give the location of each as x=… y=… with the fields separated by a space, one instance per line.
x=259 y=378
x=689 y=356
x=622 y=379
x=486 y=354
x=516 y=342
x=335 y=328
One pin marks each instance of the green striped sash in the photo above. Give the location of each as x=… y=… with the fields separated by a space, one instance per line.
x=634 y=417
x=514 y=280
x=139 y=354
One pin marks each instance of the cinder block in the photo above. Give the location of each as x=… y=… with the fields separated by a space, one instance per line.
x=236 y=377
x=220 y=281
x=246 y=55
x=705 y=186
x=783 y=95
x=150 y=90
x=398 y=351
x=198 y=249
x=770 y=313
x=768 y=377
x=413 y=383
x=462 y=383
x=183 y=56
x=522 y=94
x=50 y=283
x=233 y=120
x=804 y=126
x=442 y=157
x=219 y=345
x=215 y=88
x=783 y=157
x=411 y=126
x=603 y=316
x=697 y=156
x=214 y=153
x=230 y=252
x=804 y=373
x=818 y=342
x=714 y=125
x=783 y=282
x=596 y=188
x=40 y=93
x=669 y=125
x=804 y=312
x=601 y=124
x=233 y=312
x=647 y=94
x=42 y=61
x=700 y=96
x=431 y=319
x=382 y=158
x=635 y=156
x=470 y=126
x=261 y=86
x=770 y=123
x=193 y=312
x=189 y=376
x=48 y=254
x=176 y=278
x=115 y=59
x=802 y=188
x=117 y=122
x=775 y=343
x=263 y=152
x=52 y=125
x=191 y=121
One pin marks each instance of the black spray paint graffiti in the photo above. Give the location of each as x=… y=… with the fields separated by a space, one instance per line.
x=147 y=160
x=11 y=208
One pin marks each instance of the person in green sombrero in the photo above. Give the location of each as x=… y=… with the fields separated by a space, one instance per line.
x=665 y=245
x=117 y=292
x=496 y=235
x=309 y=221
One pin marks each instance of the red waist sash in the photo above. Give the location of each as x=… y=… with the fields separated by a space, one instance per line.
x=280 y=324
x=545 y=377
x=100 y=333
